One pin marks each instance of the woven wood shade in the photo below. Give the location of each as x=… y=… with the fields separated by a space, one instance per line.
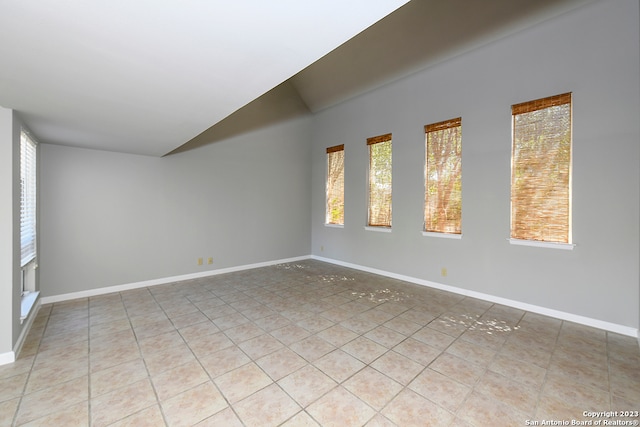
x=443 y=177
x=335 y=185
x=379 y=139
x=379 y=181
x=541 y=170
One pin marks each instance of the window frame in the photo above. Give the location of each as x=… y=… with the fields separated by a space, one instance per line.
x=28 y=198
x=528 y=107
x=371 y=142
x=328 y=204
x=431 y=129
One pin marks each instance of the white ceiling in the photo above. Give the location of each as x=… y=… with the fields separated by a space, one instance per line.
x=145 y=76
x=154 y=76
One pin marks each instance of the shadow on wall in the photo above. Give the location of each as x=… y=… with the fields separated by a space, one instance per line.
x=279 y=104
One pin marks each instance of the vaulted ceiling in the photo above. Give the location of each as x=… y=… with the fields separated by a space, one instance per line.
x=154 y=77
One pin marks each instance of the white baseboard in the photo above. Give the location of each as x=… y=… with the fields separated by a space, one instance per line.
x=163 y=281
x=600 y=324
x=8 y=357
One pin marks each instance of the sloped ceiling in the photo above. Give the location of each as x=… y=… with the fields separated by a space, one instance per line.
x=414 y=37
x=157 y=77
x=145 y=76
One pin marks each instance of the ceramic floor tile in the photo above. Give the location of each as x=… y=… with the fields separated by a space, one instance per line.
x=340 y=408
x=337 y=335
x=312 y=348
x=243 y=332
x=223 y=361
x=398 y=367
x=168 y=358
x=76 y=415
x=281 y=363
x=242 y=382
x=440 y=389
x=148 y=417
x=306 y=385
x=530 y=375
x=120 y=403
x=179 y=379
x=204 y=345
x=471 y=352
x=364 y=349
x=433 y=338
x=156 y=343
x=481 y=411
x=8 y=409
x=268 y=407
x=45 y=402
x=260 y=346
x=339 y=365
x=290 y=334
x=50 y=376
x=575 y=393
x=372 y=387
x=458 y=369
x=13 y=386
x=417 y=351
x=409 y=409
x=193 y=406
x=512 y=393
x=420 y=356
x=117 y=376
x=224 y=418
x=385 y=336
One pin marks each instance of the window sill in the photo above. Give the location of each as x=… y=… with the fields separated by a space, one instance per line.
x=334 y=225
x=379 y=229
x=442 y=235
x=553 y=245
x=28 y=302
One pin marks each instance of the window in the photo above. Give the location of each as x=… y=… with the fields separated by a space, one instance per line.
x=27 y=199
x=541 y=170
x=443 y=177
x=379 y=181
x=335 y=185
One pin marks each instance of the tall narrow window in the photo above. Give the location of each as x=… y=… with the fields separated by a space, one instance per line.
x=27 y=199
x=335 y=185
x=443 y=177
x=379 y=181
x=541 y=170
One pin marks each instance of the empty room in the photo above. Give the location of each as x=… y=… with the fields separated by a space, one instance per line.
x=356 y=213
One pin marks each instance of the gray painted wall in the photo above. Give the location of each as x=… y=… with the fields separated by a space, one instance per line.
x=110 y=219
x=592 y=52
x=10 y=292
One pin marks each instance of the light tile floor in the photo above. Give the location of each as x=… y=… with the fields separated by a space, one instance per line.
x=307 y=344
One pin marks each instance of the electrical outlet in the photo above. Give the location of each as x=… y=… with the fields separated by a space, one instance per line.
x=210 y=260
x=321 y=248
x=199 y=261
x=443 y=272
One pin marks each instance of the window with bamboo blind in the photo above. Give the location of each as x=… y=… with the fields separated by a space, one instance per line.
x=379 y=214
x=443 y=177
x=335 y=185
x=541 y=170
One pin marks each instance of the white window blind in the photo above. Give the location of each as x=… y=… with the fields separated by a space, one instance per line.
x=27 y=199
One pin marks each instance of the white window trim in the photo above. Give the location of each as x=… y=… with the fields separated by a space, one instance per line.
x=326 y=224
x=378 y=229
x=442 y=235
x=552 y=245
